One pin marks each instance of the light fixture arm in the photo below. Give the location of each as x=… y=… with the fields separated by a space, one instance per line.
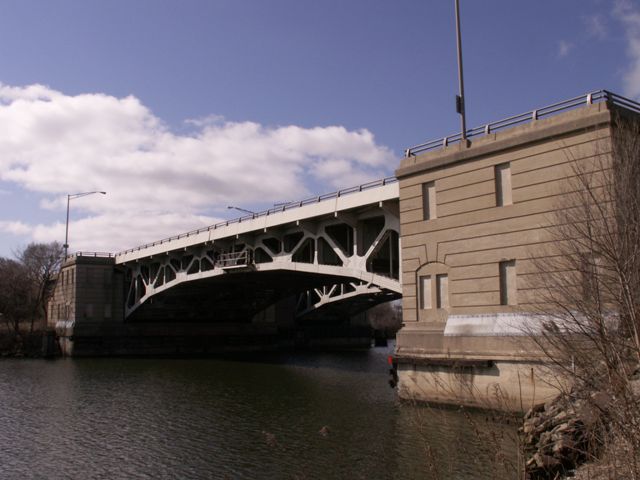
x=66 y=230
x=241 y=209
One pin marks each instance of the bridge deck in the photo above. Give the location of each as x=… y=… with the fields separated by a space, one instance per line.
x=341 y=201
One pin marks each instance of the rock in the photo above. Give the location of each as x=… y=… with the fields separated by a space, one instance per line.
x=528 y=427
x=549 y=405
x=561 y=428
x=546 y=462
x=531 y=463
x=562 y=446
x=529 y=440
x=535 y=409
x=545 y=440
x=560 y=416
x=551 y=437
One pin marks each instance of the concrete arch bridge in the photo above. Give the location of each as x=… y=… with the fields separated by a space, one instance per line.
x=327 y=257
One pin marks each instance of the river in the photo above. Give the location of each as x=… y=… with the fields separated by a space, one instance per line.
x=286 y=416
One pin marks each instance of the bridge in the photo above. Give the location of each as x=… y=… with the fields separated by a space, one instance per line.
x=341 y=248
x=474 y=213
x=319 y=261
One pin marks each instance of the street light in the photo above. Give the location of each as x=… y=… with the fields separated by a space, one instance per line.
x=241 y=209
x=460 y=99
x=66 y=232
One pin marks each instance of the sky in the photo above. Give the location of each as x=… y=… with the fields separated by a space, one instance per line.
x=181 y=108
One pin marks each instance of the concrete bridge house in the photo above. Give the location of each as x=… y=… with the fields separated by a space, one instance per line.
x=472 y=218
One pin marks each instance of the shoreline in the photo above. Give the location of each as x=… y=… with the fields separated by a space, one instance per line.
x=24 y=345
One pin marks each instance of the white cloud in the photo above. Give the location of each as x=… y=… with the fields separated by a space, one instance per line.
x=160 y=183
x=211 y=119
x=564 y=48
x=596 y=26
x=629 y=16
x=15 y=227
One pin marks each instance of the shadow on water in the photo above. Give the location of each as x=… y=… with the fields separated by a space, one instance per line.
x=356 y=360
x=294 y=416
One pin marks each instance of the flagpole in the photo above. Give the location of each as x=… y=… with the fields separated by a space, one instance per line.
x=460 y=107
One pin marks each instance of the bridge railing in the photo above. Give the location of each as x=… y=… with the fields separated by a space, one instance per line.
x=233 y=259
x=586 y=99
x=277 y=209
x=90 y=254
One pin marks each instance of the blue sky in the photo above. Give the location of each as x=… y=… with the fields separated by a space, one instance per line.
x=180 y=108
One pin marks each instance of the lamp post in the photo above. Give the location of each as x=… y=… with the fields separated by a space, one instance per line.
x=460 y=100
x=66 y=232
x=241 y=209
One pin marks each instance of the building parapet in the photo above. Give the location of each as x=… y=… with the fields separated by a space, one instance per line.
x=598 y=96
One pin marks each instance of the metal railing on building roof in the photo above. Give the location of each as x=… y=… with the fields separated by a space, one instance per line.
x=598 y=96
x=90 y=254
x=277 y=209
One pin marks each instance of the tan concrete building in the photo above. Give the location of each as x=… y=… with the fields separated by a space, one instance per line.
x=473 y=216
x=89 y=291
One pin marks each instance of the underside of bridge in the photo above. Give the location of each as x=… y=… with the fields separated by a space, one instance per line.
x=238 y=297
x=334 y=267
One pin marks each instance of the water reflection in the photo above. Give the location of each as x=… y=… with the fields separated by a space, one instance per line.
x=160 y=418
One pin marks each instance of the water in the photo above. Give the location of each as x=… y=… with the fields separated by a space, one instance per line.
x=223 y=419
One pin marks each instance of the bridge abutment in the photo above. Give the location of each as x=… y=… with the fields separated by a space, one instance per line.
x=475 y=223
x=87 y=299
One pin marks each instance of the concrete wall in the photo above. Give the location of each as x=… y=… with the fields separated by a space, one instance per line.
x=88 y=296
x=88 y=289
x=466 y=212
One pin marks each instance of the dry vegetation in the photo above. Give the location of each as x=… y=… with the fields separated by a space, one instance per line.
x=590 y=302
x=25 y=285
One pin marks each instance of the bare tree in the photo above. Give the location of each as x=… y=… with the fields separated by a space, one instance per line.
x=41 y=261
x=15 y=294
x=25 y=284
x=590 y=288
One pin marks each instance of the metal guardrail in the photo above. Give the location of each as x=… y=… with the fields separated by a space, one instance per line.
x=90 y=254
x=234 y=259
x=280 y=208
x=576 y=102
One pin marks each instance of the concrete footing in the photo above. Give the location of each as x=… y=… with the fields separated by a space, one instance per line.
x=500 y=384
